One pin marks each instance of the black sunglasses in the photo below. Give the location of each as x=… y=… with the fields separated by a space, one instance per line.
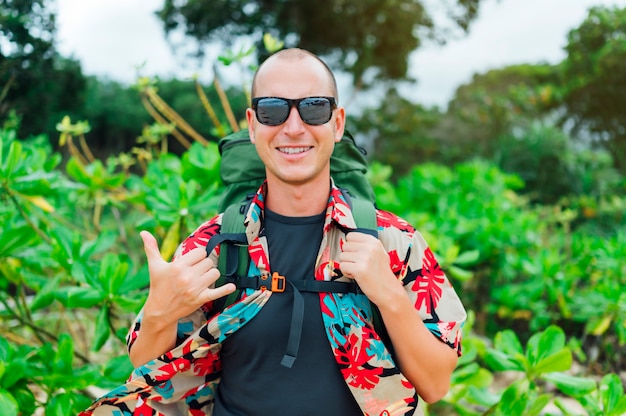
x=273 y=111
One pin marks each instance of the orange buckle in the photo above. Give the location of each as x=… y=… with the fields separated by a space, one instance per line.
x=278 y=283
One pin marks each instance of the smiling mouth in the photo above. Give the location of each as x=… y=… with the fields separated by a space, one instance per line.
x=294 y=150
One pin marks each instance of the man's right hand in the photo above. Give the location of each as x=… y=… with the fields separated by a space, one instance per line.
x=177 y=289
x=180 y=287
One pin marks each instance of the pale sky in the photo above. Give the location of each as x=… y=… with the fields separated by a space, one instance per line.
x=111 y=38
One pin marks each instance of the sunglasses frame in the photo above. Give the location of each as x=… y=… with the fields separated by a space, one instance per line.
x=293 y=103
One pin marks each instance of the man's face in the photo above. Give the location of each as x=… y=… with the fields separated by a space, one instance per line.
x=295 y=153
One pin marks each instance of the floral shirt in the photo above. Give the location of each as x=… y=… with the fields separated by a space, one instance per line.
x=184 y=380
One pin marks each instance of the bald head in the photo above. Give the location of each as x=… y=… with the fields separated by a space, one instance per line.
x=294 y=54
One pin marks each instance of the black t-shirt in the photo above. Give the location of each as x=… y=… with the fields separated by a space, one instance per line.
x=253 y=380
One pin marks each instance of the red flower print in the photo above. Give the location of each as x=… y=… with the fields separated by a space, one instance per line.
x=357 y=372
x=387 y=219
x=201 y=237
x=143 y=409
x=168 y=370
x=207 y=365
x=132 y=336
x=207 y=308
x=324 y=300
x=336 y=198
x=428 y=285
x=258 y=255
x=396 y=264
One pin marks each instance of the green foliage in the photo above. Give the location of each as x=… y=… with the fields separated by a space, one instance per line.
x=483 y=117
x=603 y=309
x=491 y=103
x=182 y=96
x=397 y=127
x=117 y=115
x=533 y=371
x=35 y=81
x=66 y=295
x=504 y=116
x=595 y=74
x=552 y=167
x=54 y=373
x=380 y=34
x=469 y=210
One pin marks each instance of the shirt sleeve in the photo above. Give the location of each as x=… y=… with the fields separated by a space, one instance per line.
x=425 y=282
x=435 y=298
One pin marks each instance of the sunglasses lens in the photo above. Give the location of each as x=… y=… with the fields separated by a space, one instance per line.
x=315 y=110
x=272 y=111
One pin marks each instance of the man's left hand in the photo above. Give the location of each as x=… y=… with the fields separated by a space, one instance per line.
x=364 y=259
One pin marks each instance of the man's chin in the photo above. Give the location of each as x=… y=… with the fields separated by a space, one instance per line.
x=297 y=178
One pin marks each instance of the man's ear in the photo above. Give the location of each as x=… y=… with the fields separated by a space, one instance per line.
x=340 y=123
x=251 y=118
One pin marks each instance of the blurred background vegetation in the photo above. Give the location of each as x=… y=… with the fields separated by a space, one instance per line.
x=519 y=185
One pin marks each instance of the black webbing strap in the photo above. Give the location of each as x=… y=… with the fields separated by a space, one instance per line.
x=234 y=247
x=317 y=286
x=371 y=232
x=295 y=330
x=322 y=286
x=229 y=238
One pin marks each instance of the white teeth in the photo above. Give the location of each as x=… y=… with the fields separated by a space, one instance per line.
x=293 y=150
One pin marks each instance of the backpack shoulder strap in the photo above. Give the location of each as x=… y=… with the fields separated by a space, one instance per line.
x=364 y=214
x=234 y=259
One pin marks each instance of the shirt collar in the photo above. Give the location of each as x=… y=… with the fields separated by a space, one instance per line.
x=337 y=210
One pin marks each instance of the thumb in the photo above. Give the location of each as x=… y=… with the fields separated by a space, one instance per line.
x=151 y=247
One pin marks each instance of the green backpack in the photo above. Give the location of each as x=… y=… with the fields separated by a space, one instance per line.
x=243 y=172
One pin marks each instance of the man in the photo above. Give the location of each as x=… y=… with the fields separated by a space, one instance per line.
x=190 y=360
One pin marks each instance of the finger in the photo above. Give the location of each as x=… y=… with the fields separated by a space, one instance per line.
x=208 y=277
x=348 y=256
x=203 y=266
x=347 y=269
x=357 y=237
x=353 y=247
x=193 y=256
x=151 y=247
x=347 y=247
x=208 y=295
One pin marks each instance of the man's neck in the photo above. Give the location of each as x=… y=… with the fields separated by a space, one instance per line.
x=298 y=200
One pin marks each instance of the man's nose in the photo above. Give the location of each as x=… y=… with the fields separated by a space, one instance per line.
x=294 y=122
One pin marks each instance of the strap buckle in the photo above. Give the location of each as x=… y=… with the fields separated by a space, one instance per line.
x=277 y=284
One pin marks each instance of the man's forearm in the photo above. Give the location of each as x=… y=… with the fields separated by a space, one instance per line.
x=153 y=340
x=424 y=360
